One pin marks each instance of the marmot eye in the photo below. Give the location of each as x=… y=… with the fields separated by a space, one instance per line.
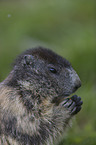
x=53 y=70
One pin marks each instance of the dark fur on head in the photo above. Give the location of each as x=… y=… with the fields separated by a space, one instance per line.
x=47 y=55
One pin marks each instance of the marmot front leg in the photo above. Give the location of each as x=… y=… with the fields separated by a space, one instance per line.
x=73 y=104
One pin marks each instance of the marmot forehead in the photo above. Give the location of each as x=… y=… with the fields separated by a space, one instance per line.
x=45 y=54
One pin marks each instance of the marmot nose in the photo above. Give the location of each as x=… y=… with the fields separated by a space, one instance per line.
x=77 y=84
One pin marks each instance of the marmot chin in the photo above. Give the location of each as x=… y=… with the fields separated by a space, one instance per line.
x=35 y=107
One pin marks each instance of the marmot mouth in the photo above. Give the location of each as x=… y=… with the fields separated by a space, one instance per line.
x=68 y=96
x=61 y=98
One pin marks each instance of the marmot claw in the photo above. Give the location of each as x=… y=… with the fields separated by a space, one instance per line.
x=73 y=104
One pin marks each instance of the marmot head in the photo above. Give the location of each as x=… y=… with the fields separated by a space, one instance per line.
x=45 y=73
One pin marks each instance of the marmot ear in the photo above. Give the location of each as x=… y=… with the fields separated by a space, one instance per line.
x=28 y=60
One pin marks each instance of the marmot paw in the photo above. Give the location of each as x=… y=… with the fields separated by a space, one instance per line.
x=73 y=104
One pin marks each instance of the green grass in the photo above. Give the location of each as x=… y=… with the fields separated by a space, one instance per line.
x=68 y=28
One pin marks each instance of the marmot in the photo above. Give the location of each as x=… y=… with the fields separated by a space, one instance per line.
x=35 y=107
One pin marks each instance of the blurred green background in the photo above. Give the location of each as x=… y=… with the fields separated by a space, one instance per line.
x=68 y=28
